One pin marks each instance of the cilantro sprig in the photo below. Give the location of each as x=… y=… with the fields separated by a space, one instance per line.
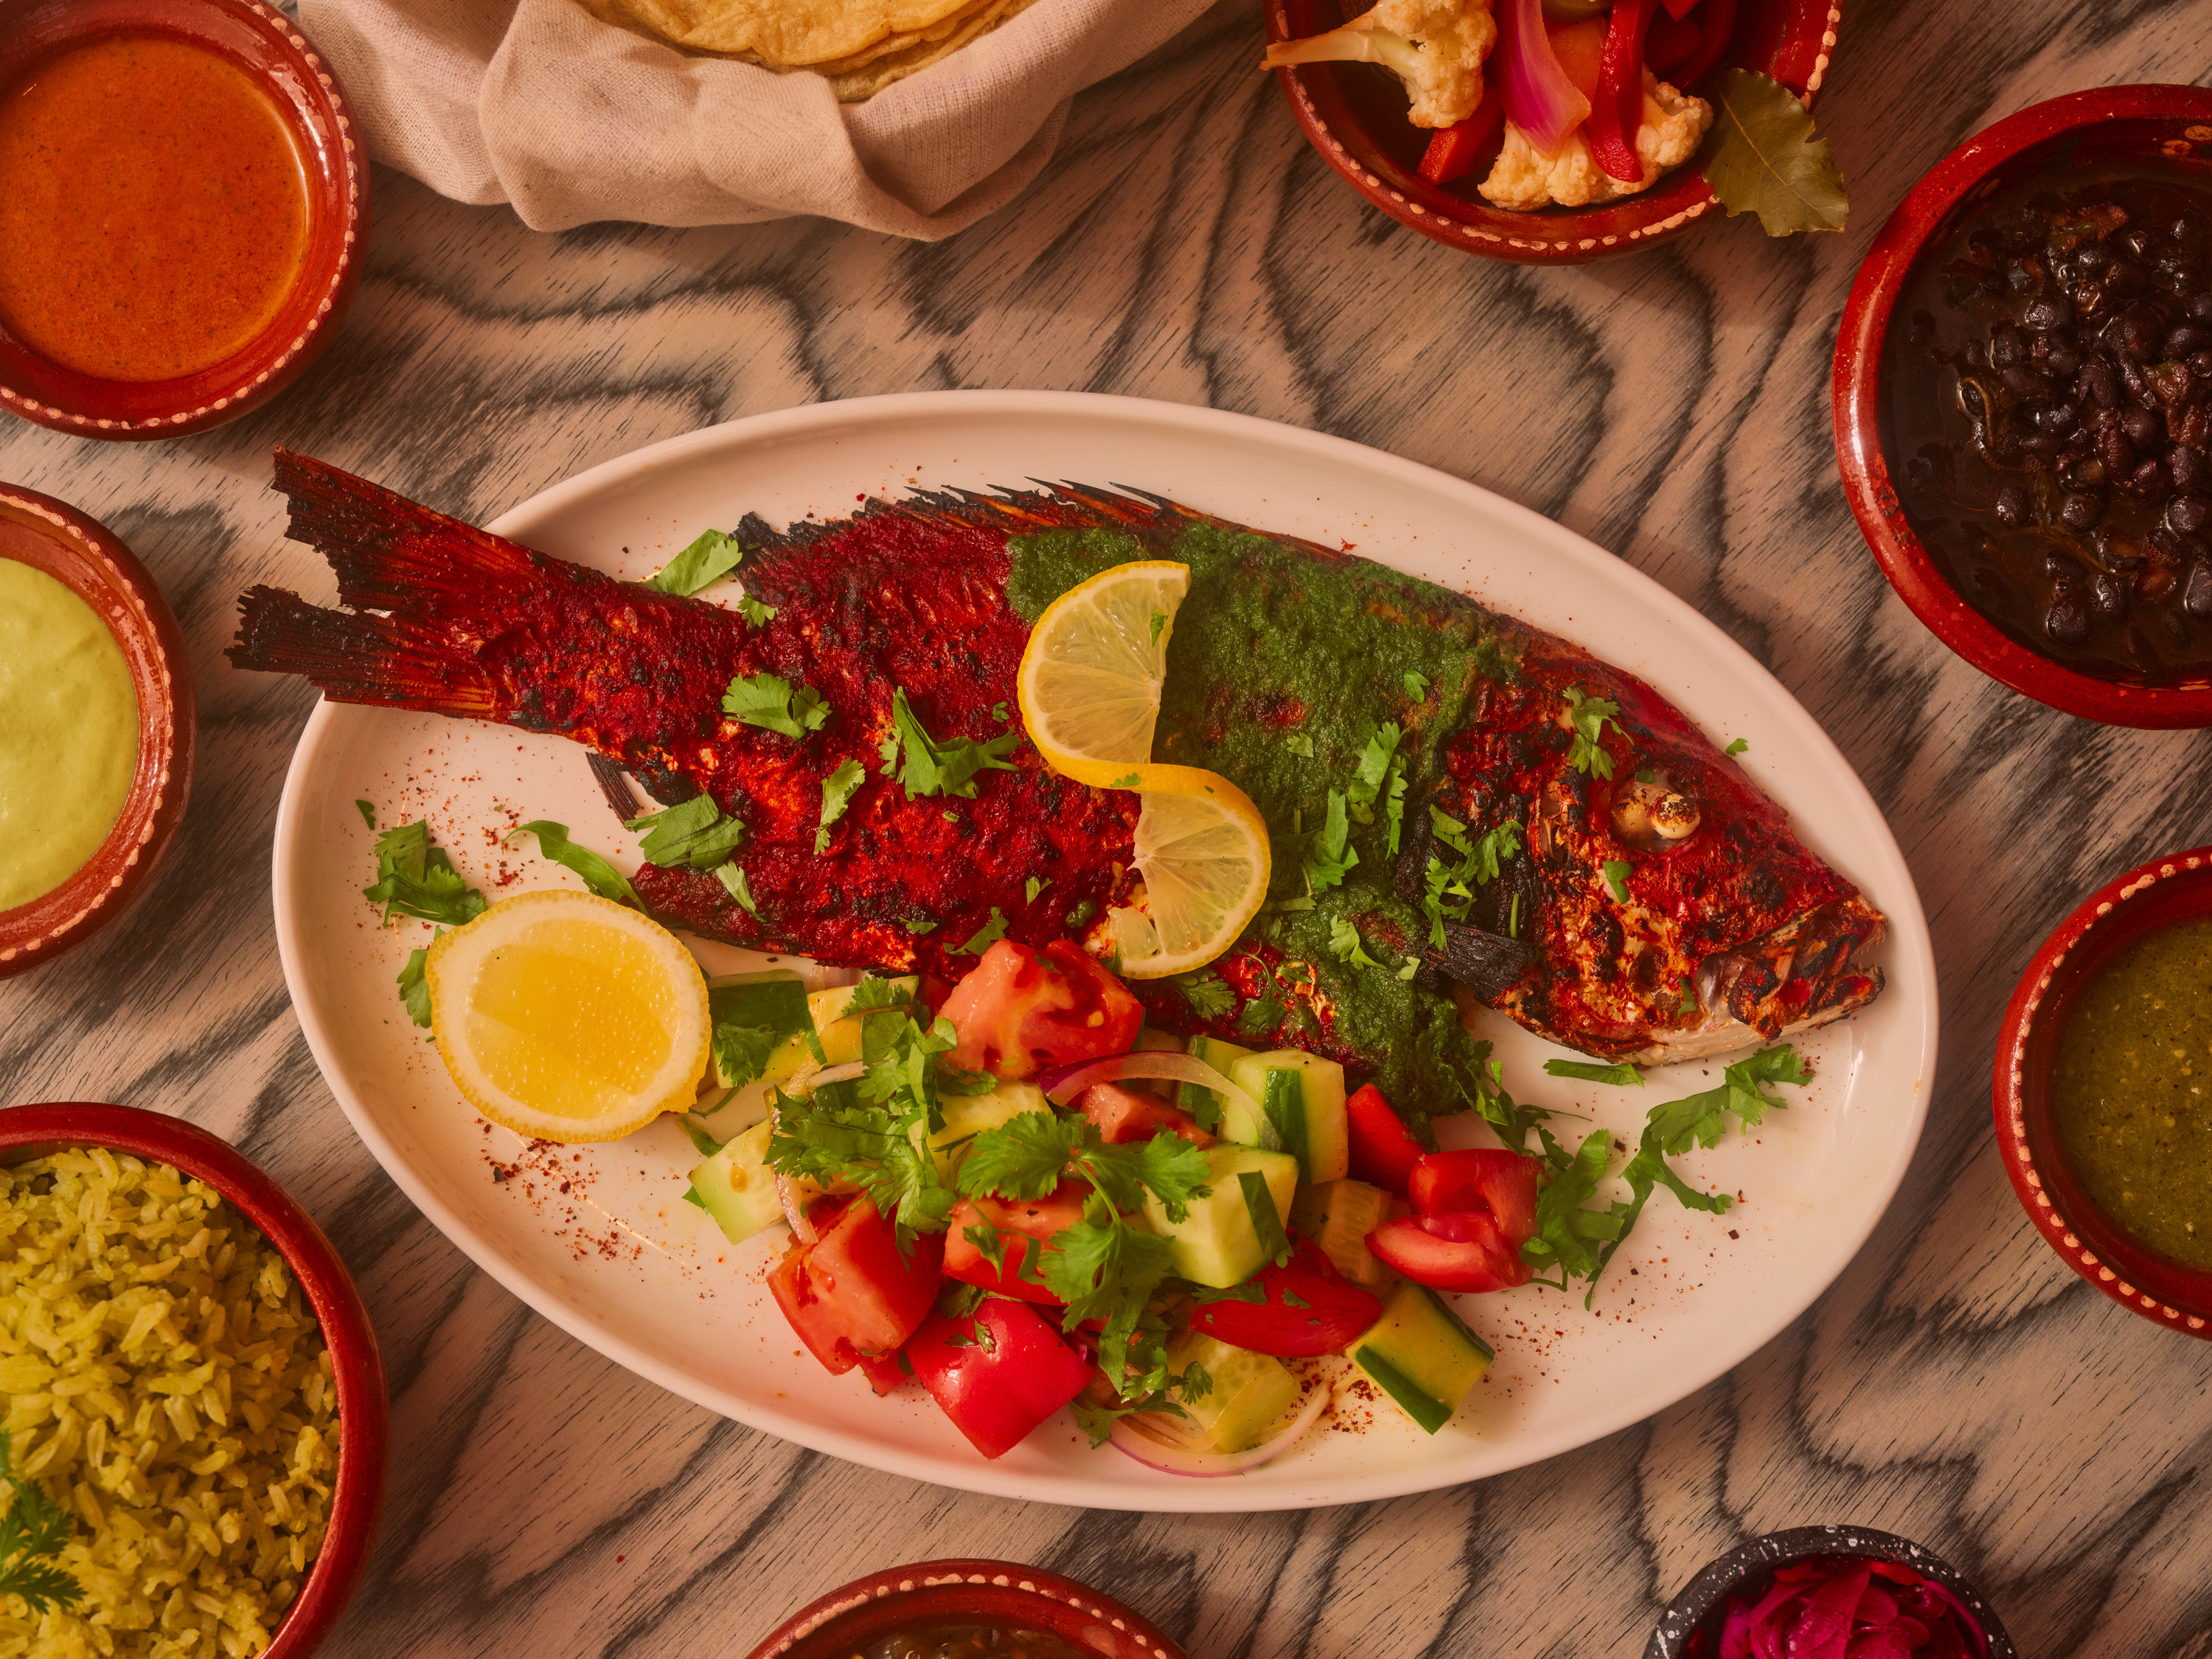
x=696 y=832
x=774 y=704
x=599 y=876
x=709 y=558
x=32 y=1531
x=1381 y=777
x=1449 y=889
x=1587 y=716
x=924 y=766
x=837 y=790
x=1330 y=855
x=414 y=878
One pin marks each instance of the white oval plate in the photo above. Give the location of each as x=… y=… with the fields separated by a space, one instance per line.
x=599 y=1240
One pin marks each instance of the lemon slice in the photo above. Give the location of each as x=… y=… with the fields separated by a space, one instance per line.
x=567 y=1017
x=1090 y=693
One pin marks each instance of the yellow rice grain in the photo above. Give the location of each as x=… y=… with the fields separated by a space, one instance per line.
x=162 y=1378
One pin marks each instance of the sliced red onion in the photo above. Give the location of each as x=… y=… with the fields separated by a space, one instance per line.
x=1169 y=1458
x=1063 y=1084
x=1539 y=99
x=850 y=1069
x=795 y=1212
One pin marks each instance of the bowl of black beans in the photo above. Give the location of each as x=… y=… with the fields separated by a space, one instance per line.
x=2023 y=402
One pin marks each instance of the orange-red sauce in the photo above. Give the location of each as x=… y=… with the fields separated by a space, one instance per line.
x=153 y=209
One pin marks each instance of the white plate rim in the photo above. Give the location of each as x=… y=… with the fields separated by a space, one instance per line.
x=1908 y=939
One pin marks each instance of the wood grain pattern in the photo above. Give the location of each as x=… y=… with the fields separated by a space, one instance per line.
x=1957 y=1385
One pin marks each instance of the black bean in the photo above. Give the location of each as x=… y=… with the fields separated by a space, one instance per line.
x=2188 y=468
x=2064 y=362
x=2200 y=365
x=2061 y=418
x=2049 y=311
x=2026 y=382
x=2005 y=448
x=2125 y=278
x=2008 y=349
x=2020 y=277
x=2182 y=339
x=2088 y=474
x=2108 y=596
x=2200 y=306
x=2081 y=510
x=2068 y=622
x=2063 y=570
x=2144 y=428
x=2174 y=275
x=2187 y=232
x=2189 y=513
x=2092 y=259
x=2139 y=240
x=2189 y=548
x=2044 y=446
x=2171 y=383
x=2196 y=592
x=2150 y=476
x=2115 y=552
x=2141 y=327
x=2118 y=454
x=1976 y=354
x=2011 y=503
x=2101 y=381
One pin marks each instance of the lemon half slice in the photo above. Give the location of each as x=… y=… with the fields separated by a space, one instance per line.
x=567 y=1017
x=1090 y=692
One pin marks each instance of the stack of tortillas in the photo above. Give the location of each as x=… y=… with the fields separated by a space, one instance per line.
x=860 y=47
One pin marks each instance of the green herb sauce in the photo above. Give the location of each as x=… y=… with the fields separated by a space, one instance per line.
x=2132 y=1094
x=69 y=733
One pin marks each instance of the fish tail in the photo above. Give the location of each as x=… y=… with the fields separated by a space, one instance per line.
x=393 y=661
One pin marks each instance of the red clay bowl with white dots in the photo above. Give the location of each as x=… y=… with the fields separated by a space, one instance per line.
x=2110 y=124
x=1354 y=114
x=2165 y=890
x=1003 y=1593
x=356 y=1363
x=88 y=559
x=259 y=39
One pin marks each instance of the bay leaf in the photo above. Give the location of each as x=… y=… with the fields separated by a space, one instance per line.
x=1762 y=157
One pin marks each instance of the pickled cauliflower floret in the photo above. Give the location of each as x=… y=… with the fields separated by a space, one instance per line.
x=1525 y=178
x=1437 y=47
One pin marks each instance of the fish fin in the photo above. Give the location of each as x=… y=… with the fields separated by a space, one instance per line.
x=392 y=661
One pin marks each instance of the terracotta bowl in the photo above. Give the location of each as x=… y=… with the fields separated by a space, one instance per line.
x=2164 y=891
x=86 y=558
x=1355 y=115
x=1748 y=1571
x=2110 y=124
x=268 y=45
x=364 y=1406
x=964 y=1592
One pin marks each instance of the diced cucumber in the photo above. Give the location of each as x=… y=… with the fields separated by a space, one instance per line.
x=1215 y=1243
x=968 y=1116
x=737 y=1187
x=827 y=1024
x=1421 y=1355
x=1251 y=1393
x=1201 y=1102
x=775 y=1002
x=1301 y=1099
x=724 y=1113
x=1337 y=1215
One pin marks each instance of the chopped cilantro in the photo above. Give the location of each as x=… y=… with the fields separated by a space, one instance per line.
x=707 y=561
x=702 y=1143
x=1126 y=780
x=1159 y=622
x=986 y=936
x=1622 y=1077
x=756 y=614
x=1409 y=968
x=33 y=1530
x=1345 y=943
x=417 y=879
x=367 y=813
x=926 y=767
x=1416 y=686
x=601 y=877
x=836 y=795
x=997 y=711
x=1299 y=744
x=1737 y=747
x=1209 y=995
x=1261 y=1016
x=695 y=832
x=1616 y=878
x=774 y=704
x=918 y=928
x=691 y=1196
x=1448 y=890
x=1588 y=716
x=414 y=986
x=1330 y=855
x=734 y=879
x=1032 y=888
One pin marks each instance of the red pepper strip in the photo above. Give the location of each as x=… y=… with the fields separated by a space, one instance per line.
x=1617 y=110
x=1678 y=9
x=1457 y=150
x=1308 y=1309
x=1382 y=1153
x=1671 y=44
x=1712 y=43
x=997 y=1374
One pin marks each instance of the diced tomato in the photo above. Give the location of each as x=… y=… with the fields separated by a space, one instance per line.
x=1382 y=1152
x=1023 y=1224
x=1310 y=1309
x=1457 y=150
x=1124 y=1114
x=851 y=1293
x=1462 y=1252
x=998 y=1373
x=884 y=1372
x=1502 y=1184
x=1021 y=1011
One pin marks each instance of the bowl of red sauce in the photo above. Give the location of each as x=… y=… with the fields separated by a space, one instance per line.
x=96 y=728
x=2023 y=402
x=1825 y=1593
x=963 y=1609
x=183 y=197
x=2103 y=1090
x=1355 y=115
x=362 y=1414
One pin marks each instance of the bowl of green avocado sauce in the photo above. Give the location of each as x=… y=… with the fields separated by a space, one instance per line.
x=2103 y=1090
x=95 y=727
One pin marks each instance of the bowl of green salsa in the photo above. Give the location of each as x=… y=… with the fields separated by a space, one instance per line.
x=96 y=727
x=965 y=1609
x=2103 y=1090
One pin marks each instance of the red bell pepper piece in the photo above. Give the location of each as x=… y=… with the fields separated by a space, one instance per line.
x=1382 y=1152
x=1467 y=1251
x=1310 y=1309
x=1673 y=41
x=1678 y=9
x=1125 y=1114
x=851 y=1293
x=1499 y=1183
x=1023 y=1226
x=1617 y=110
x=998 y=1373
x=1457 y=150
x=1713 y=42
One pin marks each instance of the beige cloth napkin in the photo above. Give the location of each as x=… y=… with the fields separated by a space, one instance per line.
x=571 y=120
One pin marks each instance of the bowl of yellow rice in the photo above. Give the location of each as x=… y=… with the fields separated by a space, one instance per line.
x=192 y=1407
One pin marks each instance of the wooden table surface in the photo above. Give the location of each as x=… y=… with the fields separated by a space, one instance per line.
x=1958 y=1384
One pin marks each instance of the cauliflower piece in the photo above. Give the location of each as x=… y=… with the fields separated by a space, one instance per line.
x=1437 y=47
x=1525 y=178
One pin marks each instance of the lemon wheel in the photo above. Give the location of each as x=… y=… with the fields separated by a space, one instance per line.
x=1090 y=687
x=567 y=1017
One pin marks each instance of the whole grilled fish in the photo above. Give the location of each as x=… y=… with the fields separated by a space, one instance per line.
x=1463 y=807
